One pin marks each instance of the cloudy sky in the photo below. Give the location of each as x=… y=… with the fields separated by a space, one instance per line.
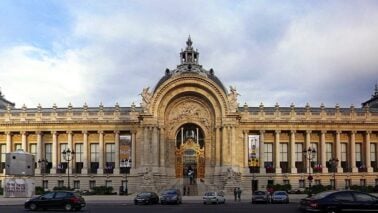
x=107 y=51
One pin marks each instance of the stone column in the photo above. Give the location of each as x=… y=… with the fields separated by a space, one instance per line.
x=262 y=152
x=8 y=142
x=217 y=146
x=308 y=144
x=133 y=149
x=292 y=152
x=70 y=146
x=224 y=146
x=54 y=154
x=100 y=169
x=353 y=151
x=155 y=146
x=338 y=152
x=85 y=153
x=162 y=147
x=367 y=152
x=323 y=152
x=39 y=152
x=23 y=141
x=277 y=152
x=233 y=146
x=116 y=154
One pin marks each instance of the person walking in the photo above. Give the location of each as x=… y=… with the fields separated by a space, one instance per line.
x=239 y=191
x=184 y=190
x=235 y=193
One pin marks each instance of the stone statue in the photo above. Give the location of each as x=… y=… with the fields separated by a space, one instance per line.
x=146 y=97
x=233 y=98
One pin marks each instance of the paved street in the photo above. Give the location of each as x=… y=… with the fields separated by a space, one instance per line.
x=186 y=207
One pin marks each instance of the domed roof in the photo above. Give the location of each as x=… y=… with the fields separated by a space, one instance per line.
x=189 y=64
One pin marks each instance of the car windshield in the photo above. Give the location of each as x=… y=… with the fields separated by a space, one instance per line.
x=279 y=193
x=210 y=194
x=144 y=194
x=259 y=193
x=170 y=192
x=322 y=194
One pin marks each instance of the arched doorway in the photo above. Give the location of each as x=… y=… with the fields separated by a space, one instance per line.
x=190 y=155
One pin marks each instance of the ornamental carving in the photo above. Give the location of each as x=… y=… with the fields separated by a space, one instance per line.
x=146 y=98
x=233 y=98
x=190 y=111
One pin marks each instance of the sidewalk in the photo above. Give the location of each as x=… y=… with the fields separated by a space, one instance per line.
x=116 y=199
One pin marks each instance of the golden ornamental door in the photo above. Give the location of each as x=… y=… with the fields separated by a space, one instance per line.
x=190 y=154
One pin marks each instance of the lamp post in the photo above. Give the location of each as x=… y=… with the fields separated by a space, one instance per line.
x=42 y=165
x=309 y=155
x=68 y=156
x=126 y=164
x=334 y=162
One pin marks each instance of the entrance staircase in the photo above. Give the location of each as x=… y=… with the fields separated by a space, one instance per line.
x=191 y=189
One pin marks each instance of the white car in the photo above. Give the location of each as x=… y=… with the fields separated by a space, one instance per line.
x=214 y=197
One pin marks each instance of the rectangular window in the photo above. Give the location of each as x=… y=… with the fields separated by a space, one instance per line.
x=268 y=152
x=329 y=151
x=79 y=152
x=3 y=151
x=315 y=146
x=318 y=182
x=45 y=184
x=283 y=152
x=358 y=152
x=302 y=184
x=48 y=152
x=63 y=146
x=76 y=184
x=347 y=183
x=362 y=182
x=60 y=183
x=344 y=152
x=33 y=150
x=376 y=182
x=299 y=152
x=17 y=146
x=373 y=152
x=92 y=184
x=94 y=152
x=286 y=182
x=108 y=183
x=110 y=152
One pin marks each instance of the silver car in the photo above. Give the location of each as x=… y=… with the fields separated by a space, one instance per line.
x=214 y=197
x=261 y=197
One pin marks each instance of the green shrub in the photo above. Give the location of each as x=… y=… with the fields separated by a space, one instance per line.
x=39 y=190
x=1 y=191
x=102 y=190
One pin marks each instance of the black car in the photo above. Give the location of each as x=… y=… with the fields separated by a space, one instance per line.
x=171 y=196
x=146 y=198
x=66 y=200
x=337 y=201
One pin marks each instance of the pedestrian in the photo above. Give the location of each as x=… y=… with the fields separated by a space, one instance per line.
x=235 y=193
x=184 y=190
x=188 y=191
x=239 y=191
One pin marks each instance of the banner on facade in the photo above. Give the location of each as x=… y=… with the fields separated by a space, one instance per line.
x=253 y=150
x=125 y=150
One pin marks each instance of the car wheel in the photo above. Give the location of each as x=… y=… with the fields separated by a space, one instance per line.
x=33 y=207
x=78 y=209
x=68 y=207
x=331 y=210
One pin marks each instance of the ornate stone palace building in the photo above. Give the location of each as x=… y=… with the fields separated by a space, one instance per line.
x=191 y=122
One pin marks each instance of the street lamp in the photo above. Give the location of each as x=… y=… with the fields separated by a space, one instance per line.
x=68 y=156
x=42 y=165
x=126 y=165
x=309 y=155
x=334 y=162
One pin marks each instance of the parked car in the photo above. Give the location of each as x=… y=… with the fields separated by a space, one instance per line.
x=214 y=197
x=337 y=201
x=66 y=200
x=260 y=197
x=146 y=198
x=280 y=197
x=171 y=196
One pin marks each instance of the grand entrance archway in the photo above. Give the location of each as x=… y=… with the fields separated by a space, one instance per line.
x=190 y=152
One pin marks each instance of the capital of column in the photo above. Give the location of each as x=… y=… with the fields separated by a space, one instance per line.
x=339 y=131
x=100 y=131
x=69 y=132
x=116 y=132
x=84 y=131
x=8 y=132
x=134 y=131
x=23 y=133
x=38 y=132
x=277 y=131
x=323 y=131
x=308 y=131
x=353 y=132
x=368 y=132
x=262 y=132
x=293 y=131
x=246 y=132
x=54 y=132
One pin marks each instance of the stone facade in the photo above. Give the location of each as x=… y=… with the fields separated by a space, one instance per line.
x=190 y=121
